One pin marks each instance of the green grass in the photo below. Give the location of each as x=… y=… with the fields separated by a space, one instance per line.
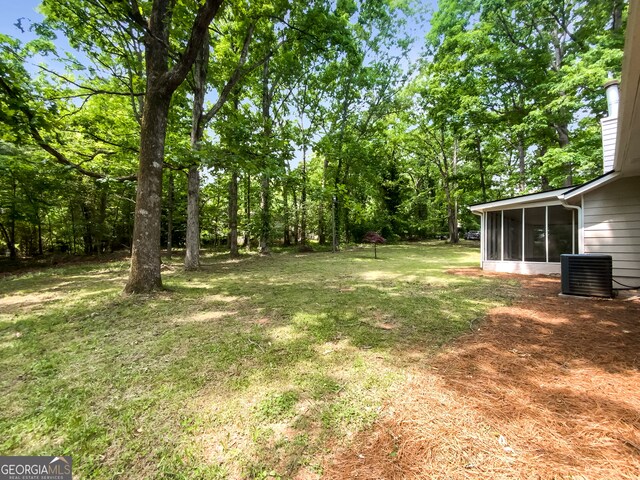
x=245 y=369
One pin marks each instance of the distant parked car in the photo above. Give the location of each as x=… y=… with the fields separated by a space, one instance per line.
x=472 y=235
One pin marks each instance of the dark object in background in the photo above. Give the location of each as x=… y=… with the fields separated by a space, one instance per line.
x=472 y=235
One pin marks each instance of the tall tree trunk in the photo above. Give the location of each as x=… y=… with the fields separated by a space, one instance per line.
x=265 y=214
x=192 y=248
x=73 y=229
x=346 y=224
x=170 y=216
x=247 y=206
x=296 y=216
x=233 y=198
x=481 y=167
x=286 y=239
x=562 y=128
x=265 y=200
x=452 y=217
x=616 y=15
x=50 y=231
x=303 y=199
x=334 y=230
x=145 y=251
x=216 y=221
x=87 y=237
x=144 y=275
x=336 y=206
x=452 y=203
x=322 y=221
x=337 y=203
x=100 y=221
x=40 y=251
x=233 y=214
x=11 y=239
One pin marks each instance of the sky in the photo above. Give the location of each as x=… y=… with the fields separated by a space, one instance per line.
x=12 y=10
x=25 y=10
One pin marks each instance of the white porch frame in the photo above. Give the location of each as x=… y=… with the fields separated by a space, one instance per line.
x=522 y=266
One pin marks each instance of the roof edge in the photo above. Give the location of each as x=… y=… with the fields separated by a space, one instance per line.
x=590 y=185
x=529 y=197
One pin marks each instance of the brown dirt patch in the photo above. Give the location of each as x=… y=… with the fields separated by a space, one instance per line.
x=548 y=388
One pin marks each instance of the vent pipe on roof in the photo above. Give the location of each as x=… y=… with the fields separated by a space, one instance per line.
x=610 y=125
x=613 y=97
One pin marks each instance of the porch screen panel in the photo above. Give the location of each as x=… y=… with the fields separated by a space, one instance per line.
x=561 y=232
x=534 y=235
x=513 y=235
x=494 y=234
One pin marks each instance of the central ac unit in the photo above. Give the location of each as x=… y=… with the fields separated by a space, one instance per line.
x=588 y=275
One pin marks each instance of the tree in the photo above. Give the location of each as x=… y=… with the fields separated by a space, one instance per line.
x=375 y=238
x=200 y=120
x=162 y=81
x=91 y=26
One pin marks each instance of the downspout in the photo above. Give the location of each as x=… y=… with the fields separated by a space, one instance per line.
x=580 y=222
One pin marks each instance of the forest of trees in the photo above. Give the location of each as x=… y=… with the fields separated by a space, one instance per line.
x=182 y=123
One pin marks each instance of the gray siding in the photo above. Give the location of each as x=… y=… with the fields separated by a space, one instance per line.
x=609 y=134
x=612 y=226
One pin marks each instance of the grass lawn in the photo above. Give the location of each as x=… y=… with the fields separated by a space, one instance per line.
x=250 y=368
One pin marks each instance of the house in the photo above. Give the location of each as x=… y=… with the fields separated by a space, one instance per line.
x=527 y=234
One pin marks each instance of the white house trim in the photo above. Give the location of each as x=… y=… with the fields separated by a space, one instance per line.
x=521 y=200
x=627 y=156
x=524 y=268
x=587 y=187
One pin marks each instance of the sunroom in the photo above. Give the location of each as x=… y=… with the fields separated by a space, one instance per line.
x=528 y=234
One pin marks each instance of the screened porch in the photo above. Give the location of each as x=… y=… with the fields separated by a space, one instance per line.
x=528 y=239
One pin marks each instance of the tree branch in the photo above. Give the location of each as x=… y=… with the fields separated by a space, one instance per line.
x=207 y=12
x=93 y=91
x=509 y=33
x=562 y=24
x=136 y=15
x=235 y=77
x=42 y=143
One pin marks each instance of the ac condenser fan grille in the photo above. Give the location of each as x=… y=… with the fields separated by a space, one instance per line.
x=587 y=275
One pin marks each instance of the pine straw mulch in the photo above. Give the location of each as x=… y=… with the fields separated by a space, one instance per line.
x=548 y=388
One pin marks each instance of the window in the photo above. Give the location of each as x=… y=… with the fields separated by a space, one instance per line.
x=538 y=234
x=535 y=235
x=494 y=235
x=512 y=242
x=560 y=232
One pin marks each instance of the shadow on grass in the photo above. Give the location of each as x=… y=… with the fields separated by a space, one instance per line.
x=311 y=343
